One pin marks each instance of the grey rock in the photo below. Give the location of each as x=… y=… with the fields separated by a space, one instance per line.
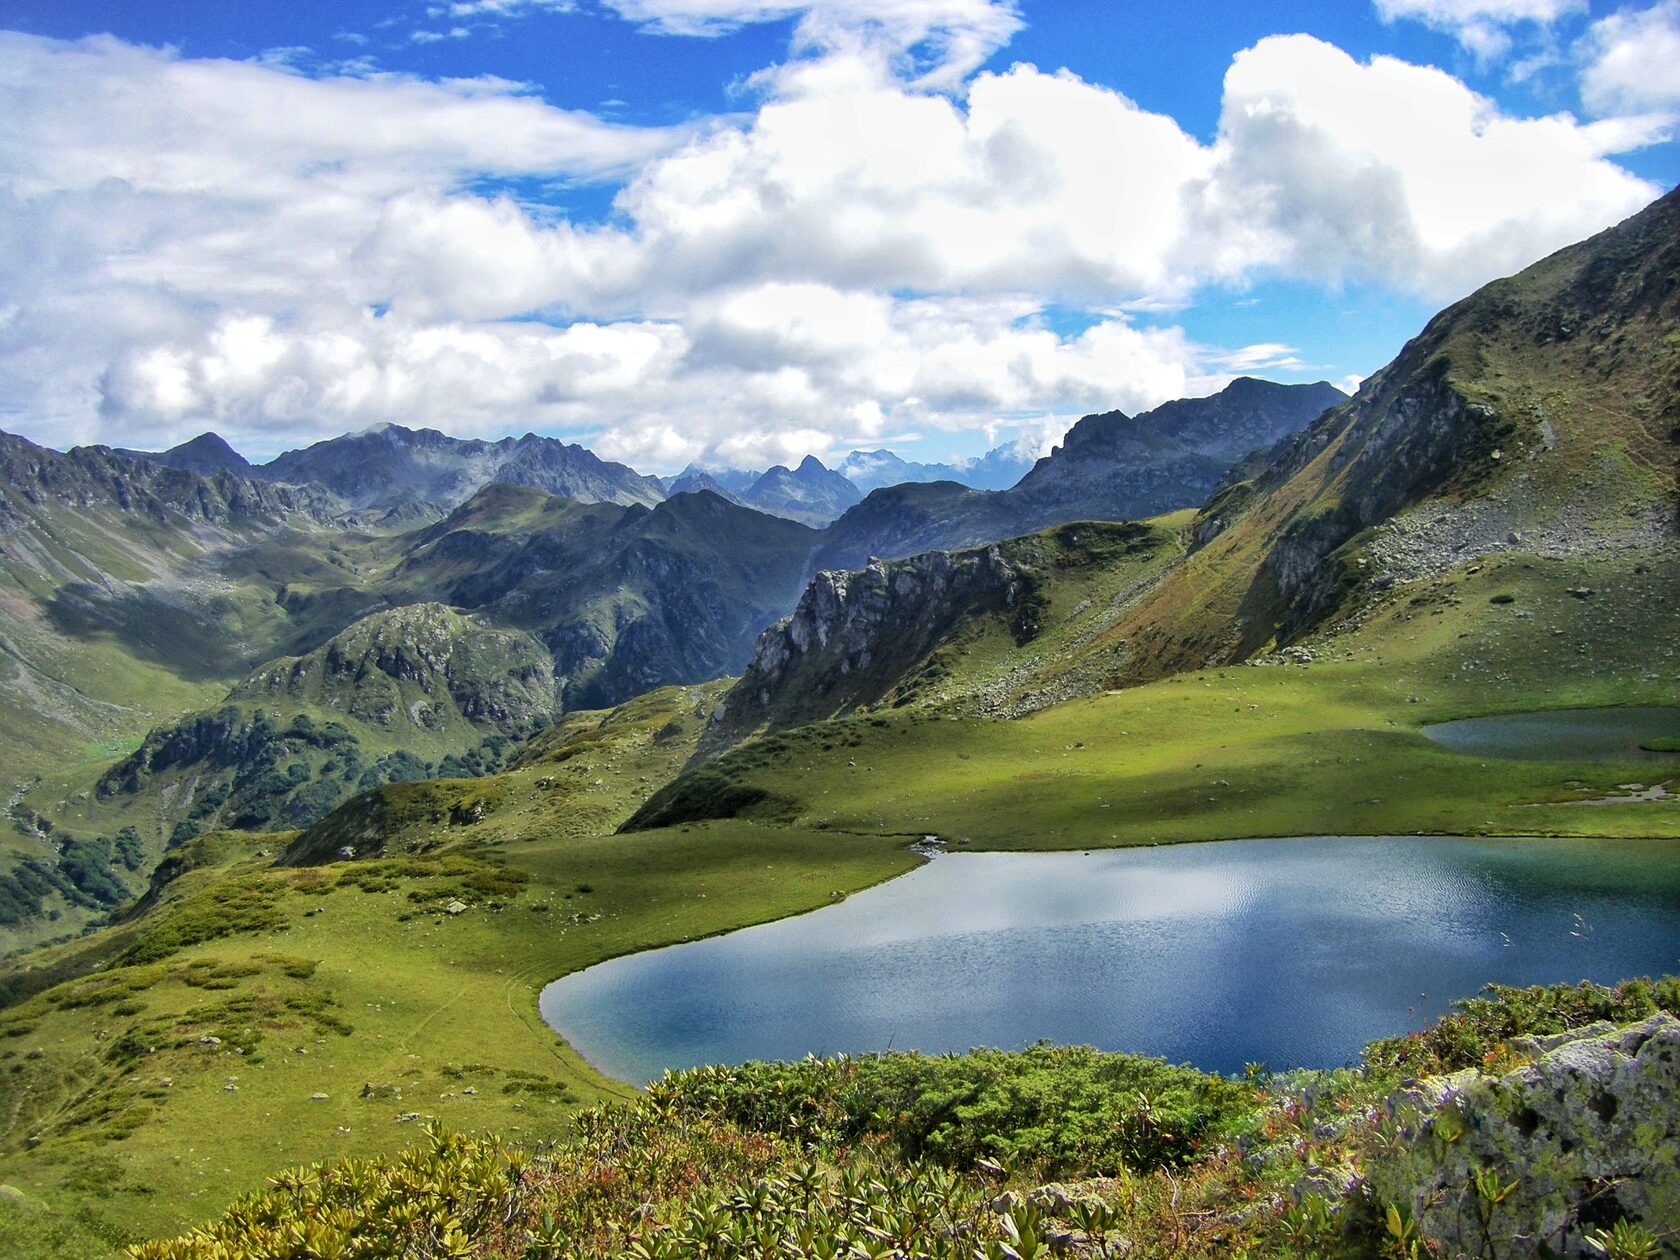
x=1589 y=1133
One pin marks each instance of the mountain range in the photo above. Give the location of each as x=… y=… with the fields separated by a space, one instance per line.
x=149 y=609
x=1538 y=419
x=312 y=811
x=397 y=476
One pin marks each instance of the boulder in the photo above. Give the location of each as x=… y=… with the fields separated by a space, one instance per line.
x=1585 y=1135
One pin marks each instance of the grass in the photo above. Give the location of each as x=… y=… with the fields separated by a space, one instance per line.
x=331 y=979
x=1330 y=747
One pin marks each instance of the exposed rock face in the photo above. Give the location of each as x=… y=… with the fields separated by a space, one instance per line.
x=853 y=635
x=1589 y=1132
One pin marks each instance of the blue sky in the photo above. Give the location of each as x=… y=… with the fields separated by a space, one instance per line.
x=746 y=230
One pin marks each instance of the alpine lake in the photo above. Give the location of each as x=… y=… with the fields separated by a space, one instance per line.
x=1285 y=952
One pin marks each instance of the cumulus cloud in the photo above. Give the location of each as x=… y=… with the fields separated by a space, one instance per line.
x=1633 y=61
x=760 y=376
x=186 y=244
x=1482 y=26
x=1330 y=168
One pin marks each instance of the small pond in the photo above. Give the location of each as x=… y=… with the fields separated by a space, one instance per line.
x=1575 y=735
x=1288 y=952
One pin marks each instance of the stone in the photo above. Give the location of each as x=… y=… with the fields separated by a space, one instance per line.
x=1589 y=1132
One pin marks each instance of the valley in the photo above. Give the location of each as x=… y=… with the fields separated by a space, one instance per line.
x=374 y=783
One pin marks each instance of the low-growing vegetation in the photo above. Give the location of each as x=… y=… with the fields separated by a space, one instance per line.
x=921 y=1157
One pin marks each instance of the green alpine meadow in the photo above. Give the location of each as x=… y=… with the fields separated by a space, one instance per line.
x=934 y=630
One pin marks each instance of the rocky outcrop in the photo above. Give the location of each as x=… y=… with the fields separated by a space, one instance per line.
x=855 y=637
x=302 y=733
x=1585 y=1135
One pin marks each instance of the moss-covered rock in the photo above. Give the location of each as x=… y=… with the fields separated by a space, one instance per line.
x=1585 y=1135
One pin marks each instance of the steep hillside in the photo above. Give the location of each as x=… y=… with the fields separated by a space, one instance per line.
x=1110 y=467
x=625 y=598
x=405 y=694
x=109 y=608
x=206 y=455
x=999 y=630
x=388 y=464
x=1539 y=416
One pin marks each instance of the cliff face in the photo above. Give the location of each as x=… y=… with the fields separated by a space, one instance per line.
x=856 y=636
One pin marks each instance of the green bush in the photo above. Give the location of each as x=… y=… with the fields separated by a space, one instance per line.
x=1057 y=1108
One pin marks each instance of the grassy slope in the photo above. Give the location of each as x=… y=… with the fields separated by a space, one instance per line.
x=1284 y=749
x=435 y=1004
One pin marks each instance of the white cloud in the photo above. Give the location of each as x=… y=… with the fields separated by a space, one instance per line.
x=735 y=382
x=1397 y=173
x=186 y=244
x=501 y=8
x=1482 y=26
x=1633 y=61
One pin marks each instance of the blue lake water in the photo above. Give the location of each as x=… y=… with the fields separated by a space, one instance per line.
x=1290 y=952
x=1578 y=735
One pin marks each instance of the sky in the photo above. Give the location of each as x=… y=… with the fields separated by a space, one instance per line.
x=742 y=231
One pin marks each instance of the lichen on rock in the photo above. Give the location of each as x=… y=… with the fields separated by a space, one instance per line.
x=1589 y=1132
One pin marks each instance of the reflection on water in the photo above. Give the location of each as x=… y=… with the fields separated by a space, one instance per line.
x=1578 y=735
x=1289 y=952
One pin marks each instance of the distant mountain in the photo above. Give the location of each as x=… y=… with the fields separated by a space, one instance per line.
x=997 y=469
x=731 y=483
x=1168 y=458
x=693 y=480
x=1110 y=467
x=386 y=465
x=206 y=454
x=811 y=493
x=625 y=598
